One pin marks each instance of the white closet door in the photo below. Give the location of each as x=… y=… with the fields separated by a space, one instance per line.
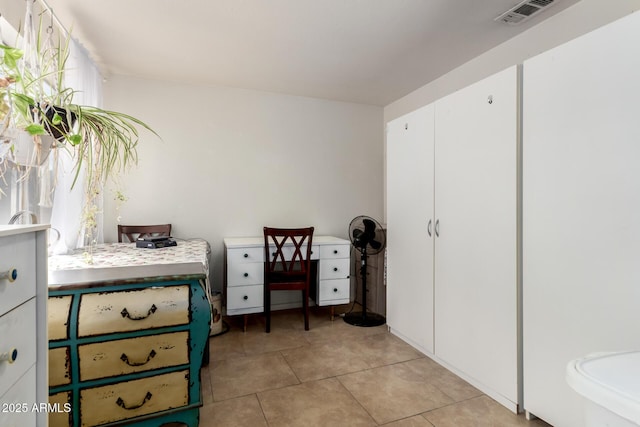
x=409 y=211
x=581 y=211
x=476 y=298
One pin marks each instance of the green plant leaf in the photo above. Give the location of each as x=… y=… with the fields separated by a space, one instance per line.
x=56 y=119
x=35 y=129
x=11 y=56
x=75 y=139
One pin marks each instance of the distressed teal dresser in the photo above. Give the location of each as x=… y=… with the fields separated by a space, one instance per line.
x=126 y=344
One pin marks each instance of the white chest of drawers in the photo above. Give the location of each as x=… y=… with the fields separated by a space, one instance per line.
x=244 y=275
x=23 y=325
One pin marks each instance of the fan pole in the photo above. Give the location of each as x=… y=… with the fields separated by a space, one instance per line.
x=364 y=319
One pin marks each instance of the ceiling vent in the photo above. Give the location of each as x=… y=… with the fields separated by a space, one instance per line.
x=524 y=11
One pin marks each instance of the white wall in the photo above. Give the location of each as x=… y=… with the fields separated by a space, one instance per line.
x=584 y=16
x=232 y=161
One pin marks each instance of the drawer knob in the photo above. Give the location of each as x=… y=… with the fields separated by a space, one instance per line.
x=335 y=289
x=121 y=403
x=10 y=356
x=246 y=274
x=125 y=313
x=245 y=297
x=335 y=268
x=335 y=251
x=11 y=275
x=126 y=360
x=246 y=255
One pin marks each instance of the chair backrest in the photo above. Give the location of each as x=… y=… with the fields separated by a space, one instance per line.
x=287 y=251
x=134 y=231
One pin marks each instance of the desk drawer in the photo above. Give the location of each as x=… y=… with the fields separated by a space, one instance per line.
x=245 y=274
x=17 y=252
x=288 y=250
x=335 y=251
x=17 y=332
x=58 y=317
x=243 y=255
x=337 y=289
x=245 y=297
x=108 y=312
x=334 y=268
x=112 y=358
x=130 y=399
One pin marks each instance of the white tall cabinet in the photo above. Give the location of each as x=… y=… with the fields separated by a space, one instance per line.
x=452 y=209
x=476 y=292
x=581 y=211
x=410 y=227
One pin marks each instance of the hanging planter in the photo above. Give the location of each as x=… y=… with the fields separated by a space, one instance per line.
x=27 y=150
x=39 y=111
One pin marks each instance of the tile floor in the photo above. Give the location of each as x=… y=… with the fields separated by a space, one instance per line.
x=334 y=374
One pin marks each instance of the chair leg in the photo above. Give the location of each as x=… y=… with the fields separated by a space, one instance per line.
x=267 y=310
x=305 y=304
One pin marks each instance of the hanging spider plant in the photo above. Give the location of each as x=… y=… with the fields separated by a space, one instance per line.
x=36 y=102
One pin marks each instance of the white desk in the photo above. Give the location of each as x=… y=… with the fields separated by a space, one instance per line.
x=244 y=275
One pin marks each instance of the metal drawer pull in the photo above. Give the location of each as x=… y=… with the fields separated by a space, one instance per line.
x=125 y=313
x=11 y=274
x=126 y=360
x=437 y=229
x=121 y=403
x=246 y=274
x=246 y=255
x=10 y=356
x=429 y=228
x=335 y=289
x=335 y=251
x=335 y=268
x=245 y=297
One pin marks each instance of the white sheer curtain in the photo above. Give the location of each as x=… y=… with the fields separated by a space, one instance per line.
x=83 y=75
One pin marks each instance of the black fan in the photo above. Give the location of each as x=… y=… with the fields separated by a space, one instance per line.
x=368 y=237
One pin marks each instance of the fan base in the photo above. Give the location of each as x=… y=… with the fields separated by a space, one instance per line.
x=364 y=319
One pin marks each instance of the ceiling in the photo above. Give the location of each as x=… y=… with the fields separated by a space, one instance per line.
x=362 y=51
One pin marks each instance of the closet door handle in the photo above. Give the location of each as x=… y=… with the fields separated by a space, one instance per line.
x=437 y=228
x=429 y=228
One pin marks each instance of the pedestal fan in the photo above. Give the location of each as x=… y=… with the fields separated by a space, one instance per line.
x=368 y=237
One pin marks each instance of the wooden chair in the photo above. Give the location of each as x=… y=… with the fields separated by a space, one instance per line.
x=134 y=231
x=287 y=266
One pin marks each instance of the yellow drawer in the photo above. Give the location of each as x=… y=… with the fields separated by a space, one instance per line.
x=17 y=252
x=121 y=401
x=62 y=416
x=111 y=358
x=59 y=366
x=58 y=317
x=108 y=312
